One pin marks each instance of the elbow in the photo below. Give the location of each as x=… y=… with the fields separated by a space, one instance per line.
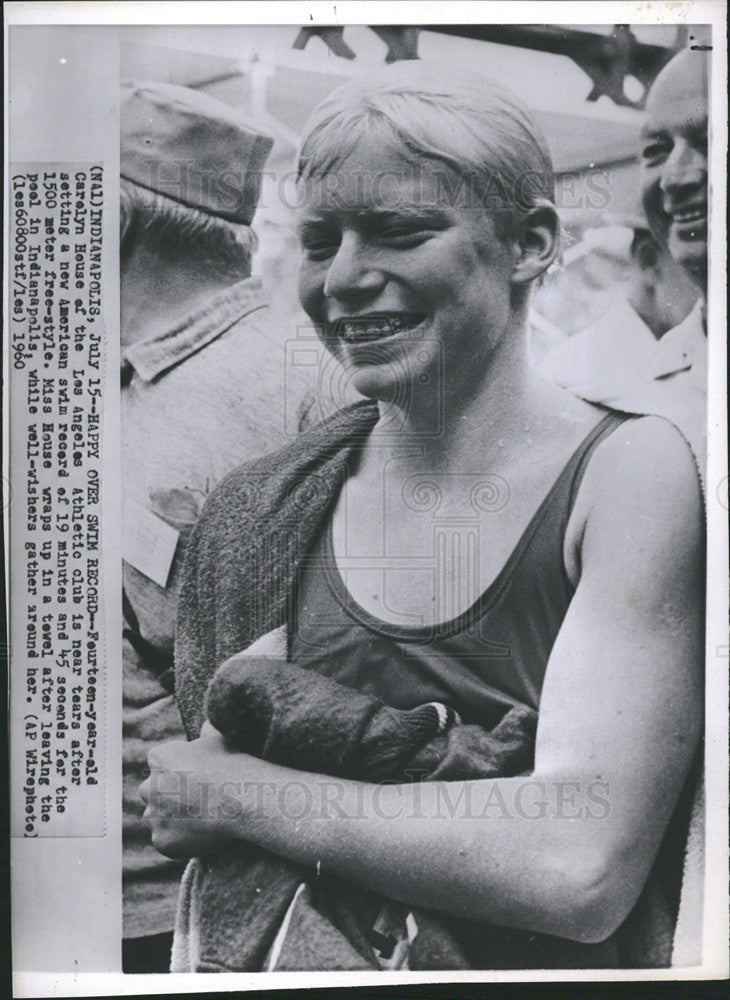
x=594 y=916
x=593 y=899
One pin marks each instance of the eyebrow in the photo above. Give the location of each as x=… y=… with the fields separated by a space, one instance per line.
x=691 y=129
x=652 y=133
x=423 y=213
x=415 y=213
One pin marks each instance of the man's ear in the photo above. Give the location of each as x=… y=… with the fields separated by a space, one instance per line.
x=537 y=244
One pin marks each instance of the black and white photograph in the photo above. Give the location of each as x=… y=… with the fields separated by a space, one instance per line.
x=371 y=625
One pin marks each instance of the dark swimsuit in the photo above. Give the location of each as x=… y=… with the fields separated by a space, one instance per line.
x=481 y=663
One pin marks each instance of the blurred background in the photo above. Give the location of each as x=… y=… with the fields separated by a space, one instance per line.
x=585 y=84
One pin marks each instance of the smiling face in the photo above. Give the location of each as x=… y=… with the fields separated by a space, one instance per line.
x=402 y=280
x=674 y=161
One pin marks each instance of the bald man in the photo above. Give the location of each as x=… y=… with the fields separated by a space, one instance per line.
x=674 y=161
x=674 y=182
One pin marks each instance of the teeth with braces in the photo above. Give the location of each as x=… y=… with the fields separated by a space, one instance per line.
x=373 y=329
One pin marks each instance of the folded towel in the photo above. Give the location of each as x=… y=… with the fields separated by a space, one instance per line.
x=232 y=908
x=274 y=710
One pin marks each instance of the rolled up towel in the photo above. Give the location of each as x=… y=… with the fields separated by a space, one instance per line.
x=298 y=718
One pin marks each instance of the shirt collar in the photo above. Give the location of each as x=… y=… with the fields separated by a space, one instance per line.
x=157 y=355
x=682 y=348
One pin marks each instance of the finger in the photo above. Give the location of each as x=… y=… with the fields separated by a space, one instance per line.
x=144 y=791
x=273 y=644
x=158 y=754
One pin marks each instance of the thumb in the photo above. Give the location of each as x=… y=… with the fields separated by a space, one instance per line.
x=273 y=645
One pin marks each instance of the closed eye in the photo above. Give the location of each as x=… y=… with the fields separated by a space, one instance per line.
x=319 y=243
x=320 y=250
x=405 y=237
x=654 y=152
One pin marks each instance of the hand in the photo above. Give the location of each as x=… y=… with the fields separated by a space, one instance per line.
x=191 y=800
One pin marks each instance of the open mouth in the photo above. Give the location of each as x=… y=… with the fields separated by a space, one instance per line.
x=374 y=327
x=690 y=215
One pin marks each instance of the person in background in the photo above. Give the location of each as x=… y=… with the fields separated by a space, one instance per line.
x=675 y=196
x=674 y=181
x=674 y=173
x=203 y=386
x=605 y=358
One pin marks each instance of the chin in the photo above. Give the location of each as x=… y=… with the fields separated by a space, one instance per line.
x=380 y=385
x=692 y=257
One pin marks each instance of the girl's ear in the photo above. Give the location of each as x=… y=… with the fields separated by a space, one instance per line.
x=537 y=244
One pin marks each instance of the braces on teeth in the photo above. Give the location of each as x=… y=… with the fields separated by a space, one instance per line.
x=373 y=329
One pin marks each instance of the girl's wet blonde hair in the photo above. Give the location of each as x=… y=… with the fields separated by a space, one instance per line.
x=478 y=129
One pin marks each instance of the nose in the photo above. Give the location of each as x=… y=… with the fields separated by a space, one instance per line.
x=684 y=167
x=351 y=275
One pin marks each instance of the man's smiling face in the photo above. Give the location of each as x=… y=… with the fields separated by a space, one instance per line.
x=674 y=161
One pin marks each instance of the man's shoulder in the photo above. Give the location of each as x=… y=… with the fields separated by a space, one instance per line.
x=607 y=350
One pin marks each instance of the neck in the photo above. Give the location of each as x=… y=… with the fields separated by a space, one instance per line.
x=665 y=301
x=698 y=275
x=157 y=294
x=643 y=304
x=460 y=426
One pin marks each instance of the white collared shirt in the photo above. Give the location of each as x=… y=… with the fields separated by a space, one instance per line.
x=613 y=363
x=683 y=351
x=603 y=360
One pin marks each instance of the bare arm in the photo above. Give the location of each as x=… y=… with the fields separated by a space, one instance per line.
x=619 y=724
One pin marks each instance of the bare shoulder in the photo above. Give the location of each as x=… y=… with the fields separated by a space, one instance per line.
x=647 y=454
x=642 y=480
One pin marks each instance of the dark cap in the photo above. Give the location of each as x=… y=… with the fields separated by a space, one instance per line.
x=192 y=148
